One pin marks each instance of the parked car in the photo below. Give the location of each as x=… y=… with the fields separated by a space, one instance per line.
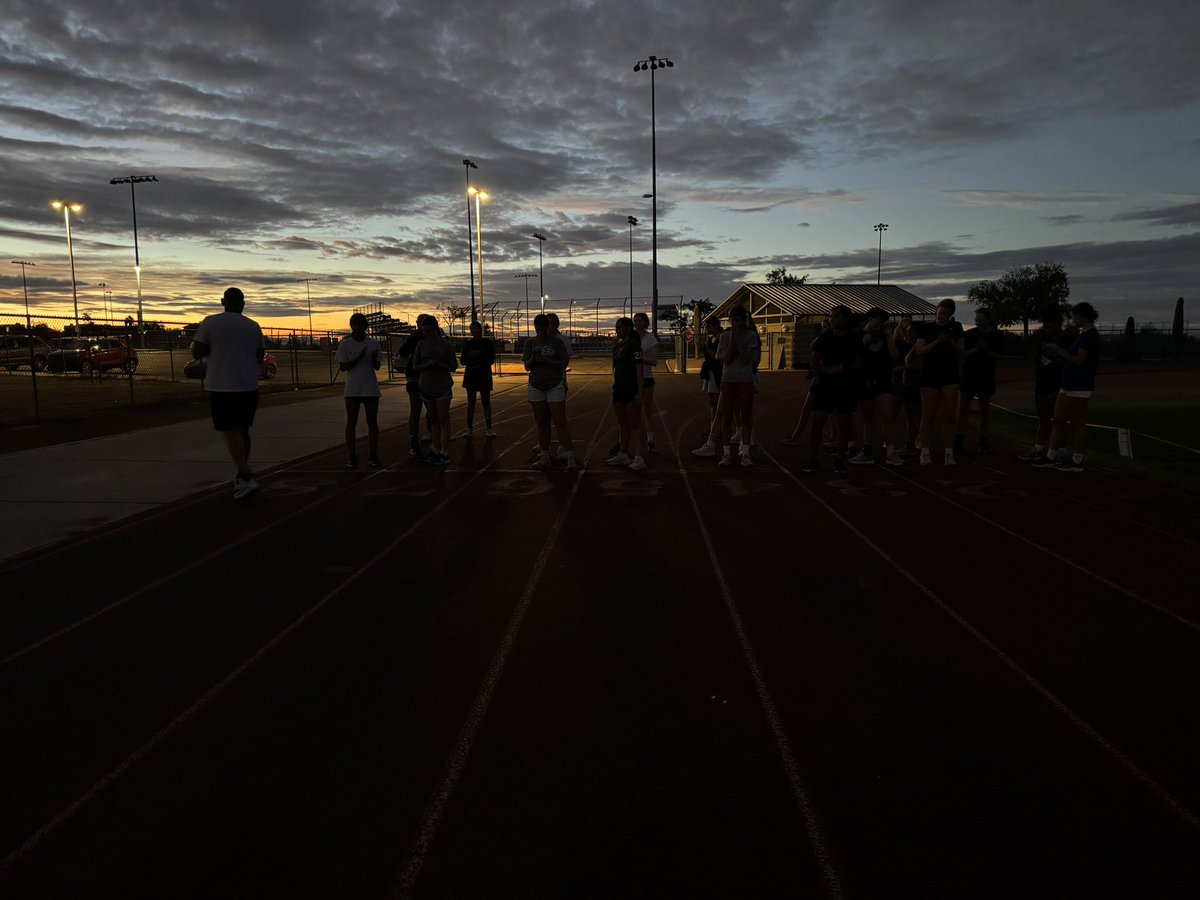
x=83 y=354
x=14 y=351
x=268 y=368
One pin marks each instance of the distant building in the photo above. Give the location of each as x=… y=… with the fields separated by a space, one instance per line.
x=789 y=316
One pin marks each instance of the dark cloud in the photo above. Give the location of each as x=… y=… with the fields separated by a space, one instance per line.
x=1063 y=220
x=1180 y=215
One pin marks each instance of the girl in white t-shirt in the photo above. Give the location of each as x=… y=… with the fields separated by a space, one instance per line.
x=359 y=357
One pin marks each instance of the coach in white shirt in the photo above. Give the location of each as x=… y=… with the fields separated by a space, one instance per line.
x=233 y=346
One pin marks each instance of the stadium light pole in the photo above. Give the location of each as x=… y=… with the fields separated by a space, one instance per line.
x=131 y=180
x=103 y=297
x=468 y=166
x=541 y=239
x=25 y=287
x=881 y=228
x=526 y=276
x=653 y=63
x=632 y=220
x=308 y=293
x=69 y=207
x=479 y=195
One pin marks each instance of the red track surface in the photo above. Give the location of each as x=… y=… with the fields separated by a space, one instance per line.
x=968 y=682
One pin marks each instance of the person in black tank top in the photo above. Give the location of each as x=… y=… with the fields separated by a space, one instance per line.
x=939 y=347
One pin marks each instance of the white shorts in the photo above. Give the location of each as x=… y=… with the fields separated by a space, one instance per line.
x=1078 y=395
x=556 y=394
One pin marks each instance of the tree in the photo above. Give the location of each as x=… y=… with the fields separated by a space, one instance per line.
x=1177 y=329
x=678 y=318
x=1018 y=294
x=779 y=275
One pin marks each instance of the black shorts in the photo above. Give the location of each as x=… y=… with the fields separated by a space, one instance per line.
x=413 y=387
x=647 y=382
x=477 y=379
x=979 y=386
x=835 y=398
x=233 y=410
x=872 y=388
x=932 y=378
x=624 y=393
x=368 y=402
x=910 y=393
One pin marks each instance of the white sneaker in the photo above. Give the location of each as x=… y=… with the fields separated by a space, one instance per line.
x=244 y=487
x=542 y=461
x=894 y=459
x=561 y=454
x=747 y=462
x=491 y=433
x=619 y=459
x=950 y=461
x=726 y=460
x=637 y=465
x=926 y=459
x=861 y=459
x=705 y=449
x=469 y=432
x=572 y=464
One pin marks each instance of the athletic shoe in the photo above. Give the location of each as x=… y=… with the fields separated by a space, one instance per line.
x=1029 y=455
x=618 y=459
x=811 y=466
x=244 y=487
x=747 y=462
x=414 y=449
x=373 y=462
x=984 y=446
x=1067 y=464
x=352 y=462
x=861 y=459
x=1043 y=462
x=893 y=459
x=637 y=465
x=705 y=449
x=561 y=454
x=909 y=449
x=926 y=459
x=491 y=433
x=839 y=466
x=535 y=449
x=950 y=460
x=468 y=432
x=542 y=461
x=725 y=461
x=439 y=459
x=650 y=448
x=572 y=464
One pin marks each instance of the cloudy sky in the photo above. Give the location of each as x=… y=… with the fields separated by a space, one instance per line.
x=325 y=139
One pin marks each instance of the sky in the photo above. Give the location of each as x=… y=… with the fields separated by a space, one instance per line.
x=325 y=140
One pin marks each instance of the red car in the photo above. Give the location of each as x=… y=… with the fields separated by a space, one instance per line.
x=268 y=368
x=101 y=354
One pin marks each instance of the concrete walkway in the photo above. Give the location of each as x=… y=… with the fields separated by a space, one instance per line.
x=50 y=493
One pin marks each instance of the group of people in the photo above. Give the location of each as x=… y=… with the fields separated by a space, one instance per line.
x=887 y=389
x=890 y=390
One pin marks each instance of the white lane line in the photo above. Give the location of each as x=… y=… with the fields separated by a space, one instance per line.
x=226 y=548
x=1030 y=483
x=1145 y=601
x=800 y=793
x=175 y=724
x=406 y=877
x=1176 y=806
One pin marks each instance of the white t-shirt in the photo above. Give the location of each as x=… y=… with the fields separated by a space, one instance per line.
x=649 y=351
x=360 y=380
x=740 y=369
x=233 y=343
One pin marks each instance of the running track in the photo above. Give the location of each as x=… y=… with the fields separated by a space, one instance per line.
x=488 y=681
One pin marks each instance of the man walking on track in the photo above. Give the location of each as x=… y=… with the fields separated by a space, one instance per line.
x=233 y=346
